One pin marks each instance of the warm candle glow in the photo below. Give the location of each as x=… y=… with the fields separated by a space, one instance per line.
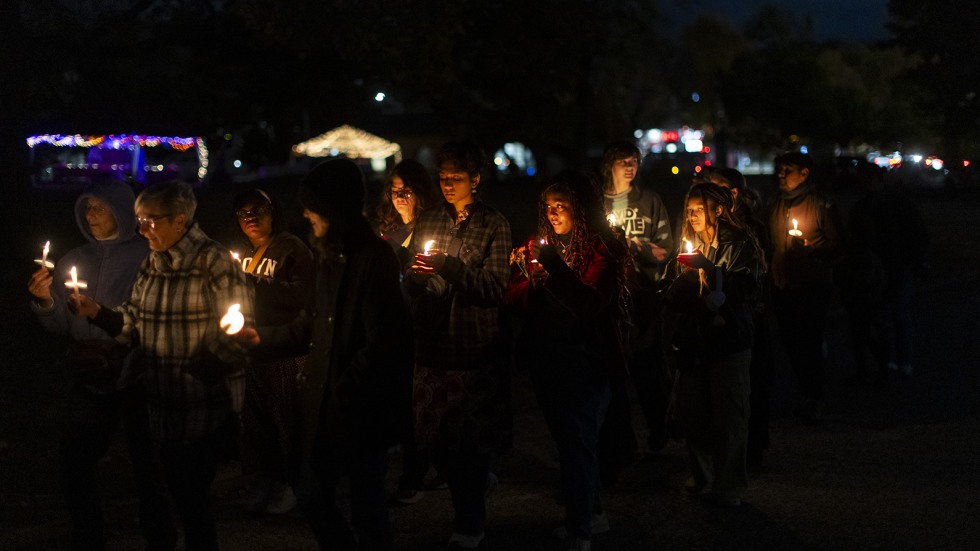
x=75 y=284
x=688 y=246
x=43 y=261
x=428 y=246
x=611 y=218
x=796 y=232
x=233 y=321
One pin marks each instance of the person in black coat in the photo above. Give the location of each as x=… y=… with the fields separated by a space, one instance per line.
x=354 y=398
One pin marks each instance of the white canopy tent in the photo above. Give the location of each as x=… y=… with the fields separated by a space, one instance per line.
x=350 y=142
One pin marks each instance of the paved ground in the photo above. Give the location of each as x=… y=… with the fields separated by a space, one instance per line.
x=893 y=468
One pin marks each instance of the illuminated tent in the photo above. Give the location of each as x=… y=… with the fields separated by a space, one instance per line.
x=351 y=142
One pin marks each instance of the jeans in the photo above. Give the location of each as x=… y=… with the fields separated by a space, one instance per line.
x=574 y=399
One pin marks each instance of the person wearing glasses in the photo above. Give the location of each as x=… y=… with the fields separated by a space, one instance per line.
x=194 y=371
x=279 y=271
x=103 y=393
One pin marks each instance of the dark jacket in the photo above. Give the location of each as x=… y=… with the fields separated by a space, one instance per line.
x=576 y=314
x=355 y=390
x=818 y=219
x=691 y=328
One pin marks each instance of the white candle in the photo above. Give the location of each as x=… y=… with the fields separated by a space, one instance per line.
x=233 y=321
x=796 y=232
x=43 y=261
x=75 y=284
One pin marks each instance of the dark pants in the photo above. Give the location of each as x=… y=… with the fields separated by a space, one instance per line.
x=466 y=474
x=652 y=382
x=802 y=315
x=415 y=464
x=190 y=467
x=713 y=400
x=574 y=399
x=92 y=423
x=316 y=493
x=761 y=374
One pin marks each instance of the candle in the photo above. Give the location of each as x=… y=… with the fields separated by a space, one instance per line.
x=542 y=241
x=428 y=246
x=233 y=321
x=611 y=218
x=796 y=232
x=75 y=284
x=688 y=246
x=43 y=261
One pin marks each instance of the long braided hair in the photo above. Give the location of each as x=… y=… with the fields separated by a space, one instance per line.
x=589 y=225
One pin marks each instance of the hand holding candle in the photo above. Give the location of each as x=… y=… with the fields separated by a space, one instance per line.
x=693 y=258
x=43 y=261
x=430 y=260
x=233 y=321
x=74 y=283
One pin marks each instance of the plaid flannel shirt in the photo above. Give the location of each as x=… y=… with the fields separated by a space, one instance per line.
x=175 y=308
x=456 y=314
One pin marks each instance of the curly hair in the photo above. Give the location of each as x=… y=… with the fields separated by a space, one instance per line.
x=416 y=178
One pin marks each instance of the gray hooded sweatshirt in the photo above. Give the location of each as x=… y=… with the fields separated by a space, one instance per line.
x=109 y=267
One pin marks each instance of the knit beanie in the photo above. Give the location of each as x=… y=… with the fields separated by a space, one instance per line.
x=334 y=189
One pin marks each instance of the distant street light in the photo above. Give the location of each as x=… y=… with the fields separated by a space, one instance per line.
x=379 y=97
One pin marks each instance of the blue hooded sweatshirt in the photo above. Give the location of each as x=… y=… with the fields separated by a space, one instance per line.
x=109 y=267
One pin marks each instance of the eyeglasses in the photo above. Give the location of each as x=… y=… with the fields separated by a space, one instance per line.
x=402 y=193
x=150 y=221
x=96 y=208
x=254 y=213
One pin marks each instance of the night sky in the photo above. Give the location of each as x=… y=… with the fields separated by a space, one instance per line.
x=850 y=20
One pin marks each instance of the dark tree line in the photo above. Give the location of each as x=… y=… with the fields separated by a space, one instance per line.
x=561 y=76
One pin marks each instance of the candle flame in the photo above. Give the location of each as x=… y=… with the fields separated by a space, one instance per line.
x=74 y=276
x=44 y=251
x=611 y=218
x=688 y=246
x=795 y=224
x=233 y=321
x=428 y=246
x=235 y=255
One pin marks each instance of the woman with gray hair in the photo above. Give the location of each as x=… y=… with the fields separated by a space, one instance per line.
x=194 y=371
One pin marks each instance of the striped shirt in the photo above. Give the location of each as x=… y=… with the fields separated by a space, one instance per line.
x=177 y=302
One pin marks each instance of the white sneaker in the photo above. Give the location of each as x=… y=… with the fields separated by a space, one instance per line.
x=461 y=541
x=283 y=500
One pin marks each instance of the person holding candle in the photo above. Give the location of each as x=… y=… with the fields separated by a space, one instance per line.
x=354 y=392
x=802 y=273
x=279 y=270
x=642 y=215
x=573 y=303
x=462 y=388
x=105 y=390
x=763 y=360
x=407 y=193
x=194 y=376
x=709 y=330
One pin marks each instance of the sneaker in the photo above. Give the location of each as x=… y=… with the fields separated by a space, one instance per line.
x=694 y=489
x=461 y=541
x=283 y=500
x=261 y=493
x=599 y=524
x=722 y=500
x=491 y=484
x=407 y=496
x=437 y=483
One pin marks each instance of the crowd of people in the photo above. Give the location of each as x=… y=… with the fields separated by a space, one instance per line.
x=402 y=332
